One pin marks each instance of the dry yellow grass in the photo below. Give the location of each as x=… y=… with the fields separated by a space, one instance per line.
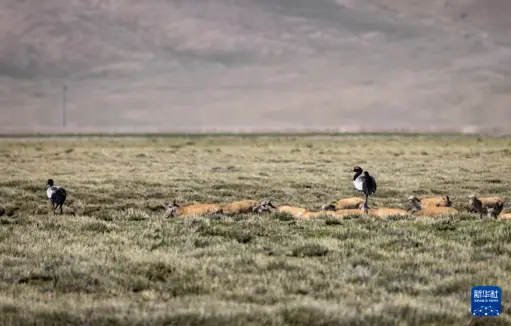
x=120 y=262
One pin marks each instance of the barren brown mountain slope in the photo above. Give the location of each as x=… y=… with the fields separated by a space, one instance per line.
x=259 y=64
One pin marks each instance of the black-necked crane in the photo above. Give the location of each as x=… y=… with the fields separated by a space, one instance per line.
x=364 y=183
x=56 y=194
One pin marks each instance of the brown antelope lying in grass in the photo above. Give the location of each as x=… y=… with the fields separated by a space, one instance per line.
x=419 y=210
x=346 y=203
x=491 y=206
x=298 y=213
x=386 y=212
x=379 y=212
x=505 y=216
x=443 y=201
x=244 y=207
x=174 y=210
x=269 y=207
x=307 y=215
x=357 y=205
x=349 y=211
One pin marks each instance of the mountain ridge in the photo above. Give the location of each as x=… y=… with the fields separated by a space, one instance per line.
x=262 y=64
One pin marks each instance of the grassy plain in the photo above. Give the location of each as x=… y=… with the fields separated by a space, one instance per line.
x=119 y=262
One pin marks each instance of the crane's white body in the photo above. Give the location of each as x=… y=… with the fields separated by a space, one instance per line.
x=359 y=183
x=50 y=191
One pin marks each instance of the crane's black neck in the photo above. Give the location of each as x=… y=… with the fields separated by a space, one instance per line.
x=357 y=174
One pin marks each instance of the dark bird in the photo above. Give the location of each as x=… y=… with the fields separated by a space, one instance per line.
x=364 y=183
x=56 y=194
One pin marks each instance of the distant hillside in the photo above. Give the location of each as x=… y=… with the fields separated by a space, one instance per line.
x=262 y=64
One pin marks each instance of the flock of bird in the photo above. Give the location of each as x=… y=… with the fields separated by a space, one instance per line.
x=363 y=182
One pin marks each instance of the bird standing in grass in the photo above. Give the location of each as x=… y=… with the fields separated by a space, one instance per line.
x=56 y=194
x=364 y=183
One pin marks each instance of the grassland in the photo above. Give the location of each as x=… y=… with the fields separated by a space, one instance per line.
x=119 y=262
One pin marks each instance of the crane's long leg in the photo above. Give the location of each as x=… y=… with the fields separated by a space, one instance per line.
x=366 y=204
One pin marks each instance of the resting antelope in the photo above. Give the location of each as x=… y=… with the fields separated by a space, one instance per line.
x=492 y=206
x=346 y=203
x=443 y=201
x=174 y=210
x=296 y=212
x=307 y=215
x=385 y=212
x=243 y=207
x=419 y=210
x=349 y=211
x=269 y=207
